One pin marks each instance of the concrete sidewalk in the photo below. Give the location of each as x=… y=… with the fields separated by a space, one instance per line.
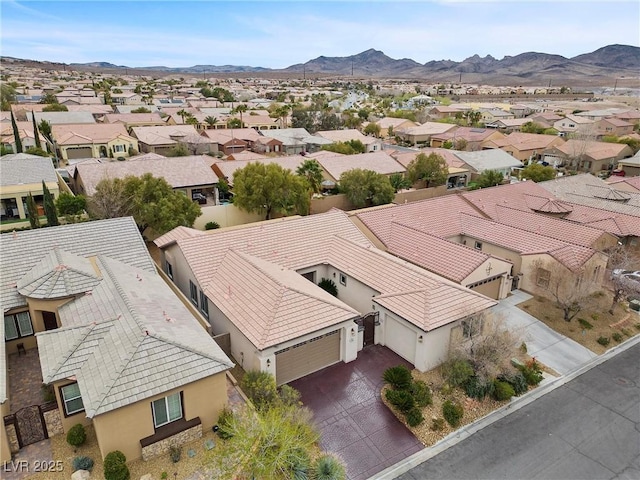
x=550 y=347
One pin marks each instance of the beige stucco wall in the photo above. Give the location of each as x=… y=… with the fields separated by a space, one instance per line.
x=225 y=215
x=71 y=420
x=496 y=251
x=122 y=429
x=19 y=191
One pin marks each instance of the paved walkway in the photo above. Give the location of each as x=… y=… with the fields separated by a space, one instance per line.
x=354 y=423
x=25 y=380
x=550 y=347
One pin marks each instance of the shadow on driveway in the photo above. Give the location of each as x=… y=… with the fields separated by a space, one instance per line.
x=354 y=423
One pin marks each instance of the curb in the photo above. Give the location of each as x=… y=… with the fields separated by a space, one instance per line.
x=516 y=404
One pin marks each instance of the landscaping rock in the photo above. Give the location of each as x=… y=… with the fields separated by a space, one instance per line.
x=147 y=476
x=81 y=475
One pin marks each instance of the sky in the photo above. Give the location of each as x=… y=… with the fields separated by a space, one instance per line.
x=277 y=34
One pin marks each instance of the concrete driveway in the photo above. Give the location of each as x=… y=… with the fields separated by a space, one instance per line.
x=354 y=423
x=551 y=348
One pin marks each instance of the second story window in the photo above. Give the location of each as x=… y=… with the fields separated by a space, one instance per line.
x=204 y=304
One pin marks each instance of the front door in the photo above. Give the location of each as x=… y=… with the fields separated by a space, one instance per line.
x=50 y=322
x=369 y=323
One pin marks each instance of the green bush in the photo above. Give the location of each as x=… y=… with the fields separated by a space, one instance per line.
x=584 y=324
x=115 y=466
x=421 y=393
x=604 y=341
x=76 y=435
x=502 y=390
x=414 y=417
x=289 y=395
x=224 y=424
x=452 y=413
x=517 y=382
x=437 y=424
x=398 y=377
x=82 y=463
x=48 y=395
x=175 y=453
x=260 y=387
x=477 y=388
x=531 y=371
x=616 y=336
x=328 y=467
x=401 y=399
x=301 y=466
x=328 y=285
x=211 y=226
x=456 y=371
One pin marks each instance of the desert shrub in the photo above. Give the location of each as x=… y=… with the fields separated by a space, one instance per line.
x=82 y=463
x=456 y=371
x=224 y=424
x=48 y=395
x=328 y=285
x=446 y=389
x=398 y=377
x=604 y=341
x=421 y=393
x=414 y=417
x=531 y=372
x=289 y=395
x=175 y=453
x=523 y=347
x=437 y=424
x=301 y=466
x=211 y=226
x=477 y=388
x=260 y=387
x=502 y=390
x=401 y=399
x=625 y=332
x=637 y=325
x=452 y=413
x=616 y=336
x=517 y=382
x=76 y=435
x=328 y=467
x=115 y=466
x=584 y=324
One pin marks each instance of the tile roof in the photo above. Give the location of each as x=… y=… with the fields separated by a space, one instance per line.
x=297 y=136
x=587 y=185
x=141 y=341
x=58 y=275
x=166 y=135
x=379 y=162
x=117 y=238
x=594 y=150
x=467 y=133
x=347 y=135
x=491 y=159
x=25 y=169
x=526 y=141
x=64 y=118
x=87 y=133
x=427 y=128
x=179 y=172
x=223 y=135
x=228 y=167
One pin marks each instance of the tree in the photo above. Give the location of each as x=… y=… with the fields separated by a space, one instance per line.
x=7 y=96
x=178 y=150
x=36 y=133
x=49 y=206
x=55 y=107
x=32 y=212
x=365 y=188
x=16 y=134
x=68 y=204
x=372 y=129
x=538 y=173
x=150 y=200
x=280 y=112
x=489 y=178
x=270 y=189
x=399 y=182
x=184 y=114
x=45 y=129
x=234 y=123
x=141 y=110
x=572 y=290
x=210 y=121
x=49 y=99
x=37 y=151
x=311 y=171
x=431 y=168
x=352 y=147
x=241 y=109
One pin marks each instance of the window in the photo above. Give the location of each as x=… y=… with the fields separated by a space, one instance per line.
x=596 y=273
x=166 y=410
x=169 y=270
x=17 y=326
x=343 y=279
x=542 y=277
x=118 y=148
x=193 y=292
x=204 y=304
x=471 y=327
x=477 y=245
x=71 y=399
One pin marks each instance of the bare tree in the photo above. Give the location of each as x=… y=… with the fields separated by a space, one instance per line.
x=571 y=290
x=619 y=261
x=579 y=144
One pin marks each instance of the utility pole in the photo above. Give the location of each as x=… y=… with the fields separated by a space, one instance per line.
x=352 y=68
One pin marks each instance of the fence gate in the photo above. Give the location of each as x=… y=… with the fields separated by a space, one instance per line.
x=30 y=425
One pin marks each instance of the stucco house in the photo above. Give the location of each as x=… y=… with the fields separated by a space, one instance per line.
x=471 y=138
x=423 y=133
x=25 y=131
x=372 y=144
x=261 y=286
x=93 y=141
x=588 y=156
x=118 y=348
x=492 y=159
x=161 y=140
x=524 y=146
x=379 y=162
x=391 y=124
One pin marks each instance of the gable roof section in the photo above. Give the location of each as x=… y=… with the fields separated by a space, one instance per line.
x=165 y=135
x=25 y=169
x=589 y=186
x=117 y=238
x=379 y=162
x=88 y=133
x=488 y=159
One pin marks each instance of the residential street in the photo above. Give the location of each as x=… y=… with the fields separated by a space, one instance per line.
x=588 y=428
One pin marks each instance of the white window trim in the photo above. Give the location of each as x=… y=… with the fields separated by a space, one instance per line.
x=343 y=279
x=166 y=406
x=17 y=326
x=65 y=400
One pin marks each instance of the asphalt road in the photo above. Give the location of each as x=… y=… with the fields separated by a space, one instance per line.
x=588 y=428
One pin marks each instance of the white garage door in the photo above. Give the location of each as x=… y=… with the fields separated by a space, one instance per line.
x=400 y=339
x=307 y=357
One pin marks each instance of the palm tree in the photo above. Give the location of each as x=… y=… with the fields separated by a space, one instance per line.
x=312 y=171
x=241 y=109
x=210 y=121
x=183 y=114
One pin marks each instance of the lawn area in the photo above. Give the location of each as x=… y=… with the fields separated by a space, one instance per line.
x=590 y=324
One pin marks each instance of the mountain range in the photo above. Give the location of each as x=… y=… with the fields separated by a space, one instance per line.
x=612 y=61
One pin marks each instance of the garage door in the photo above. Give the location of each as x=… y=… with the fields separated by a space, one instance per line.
x=401 y=339
x=489 y=287
x=307 y=357
x=82 y=152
